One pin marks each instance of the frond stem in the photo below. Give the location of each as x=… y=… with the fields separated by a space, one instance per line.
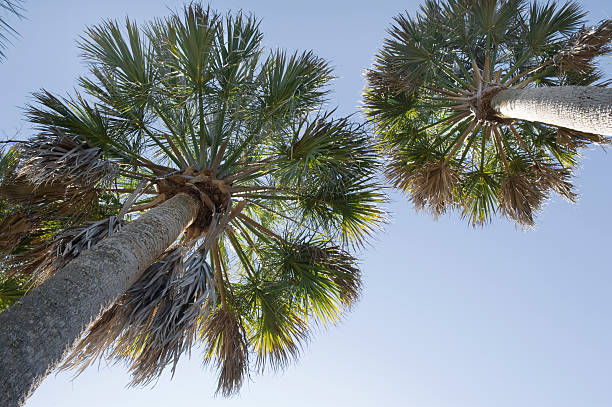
x=460 y=141
x=500 y=148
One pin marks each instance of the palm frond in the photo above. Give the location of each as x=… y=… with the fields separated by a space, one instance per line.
x=50 y=200
x=430 y=185
x=226 y=349
x=13 y=227
x=520 y=198
x=558 y=180
x=478 y=197
x=51 y=254
x=574 y=139
x=77 y=117
x=293 y=84
x=547 y=22
x=13 y=7
x=322 y=277
x=584 y=46
x=58 y=158
x=155 y=322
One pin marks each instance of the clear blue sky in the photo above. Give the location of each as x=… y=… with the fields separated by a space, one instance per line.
x=450 y=316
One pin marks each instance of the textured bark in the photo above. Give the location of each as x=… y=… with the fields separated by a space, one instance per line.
x=38 y=331
x=583 y=108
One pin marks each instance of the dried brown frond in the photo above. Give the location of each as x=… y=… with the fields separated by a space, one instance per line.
x=385 y=81
x=37 y=258
x=430 y=186
x=584 y=46
x=520 y=198
x=47 y=257
x=575 y=139
x=103 y=337
x=226 y=348
x=55 y=158
x=21 y=191
x=72 y=203
x=98 y=340
x=168 y=304
x=155 y=321
x=556 y=179
x=12 y=229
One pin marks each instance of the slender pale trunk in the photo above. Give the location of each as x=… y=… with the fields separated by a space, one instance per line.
x=38 y=331
x=583 y=108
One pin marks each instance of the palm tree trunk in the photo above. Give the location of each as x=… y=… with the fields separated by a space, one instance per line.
x=39 y=330
x=583 y=108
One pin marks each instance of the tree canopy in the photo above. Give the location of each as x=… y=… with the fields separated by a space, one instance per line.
x=193 y=103
x=429 y=96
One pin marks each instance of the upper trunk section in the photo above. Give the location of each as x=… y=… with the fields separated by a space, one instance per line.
x=37 y=332
x=583 y=108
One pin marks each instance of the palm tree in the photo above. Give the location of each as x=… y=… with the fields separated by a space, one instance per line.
x=13 y=7
x=195 y=192
x=482 y=105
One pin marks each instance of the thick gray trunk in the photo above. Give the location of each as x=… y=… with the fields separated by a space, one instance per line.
x=38 y=331
x=583 y=108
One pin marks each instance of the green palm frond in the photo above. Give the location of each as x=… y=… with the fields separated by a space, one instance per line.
x=550 y=22
x=300 y=280
x=293 y=83
x=11 y=7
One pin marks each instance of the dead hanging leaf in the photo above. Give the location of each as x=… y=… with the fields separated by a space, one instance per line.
x=12 y=229
x=556 y=179
x=584 y=46
x=430 y=185
x=574 y=139
x=155 y=322
x=226 y=349
x=35 y=263
x=56 y=158
x=387 y=82
x=520 y=198
x=72 y=203
x=48 y=256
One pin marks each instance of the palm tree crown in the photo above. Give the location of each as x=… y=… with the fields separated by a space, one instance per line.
x=192 y=104
x=431 y=95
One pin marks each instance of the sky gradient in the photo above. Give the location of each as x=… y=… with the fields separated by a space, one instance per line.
x=450 y=316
